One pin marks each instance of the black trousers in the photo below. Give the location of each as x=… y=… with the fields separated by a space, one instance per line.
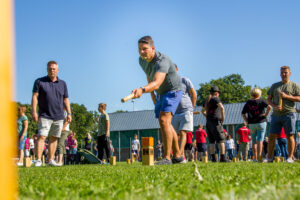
x=103 y=145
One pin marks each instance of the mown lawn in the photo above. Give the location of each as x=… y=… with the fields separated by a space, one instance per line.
x=220 y=181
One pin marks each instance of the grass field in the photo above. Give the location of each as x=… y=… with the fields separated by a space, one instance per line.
x=221 y=181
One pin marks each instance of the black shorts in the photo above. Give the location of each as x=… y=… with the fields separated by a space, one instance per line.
x=215 y=131
x=202 y=147
x=188 y=146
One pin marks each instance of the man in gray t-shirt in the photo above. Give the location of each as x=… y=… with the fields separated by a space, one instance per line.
x=282 y=96
x=183 y=118
x=162 y=78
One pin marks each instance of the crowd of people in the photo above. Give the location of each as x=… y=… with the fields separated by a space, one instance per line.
x=174 y=98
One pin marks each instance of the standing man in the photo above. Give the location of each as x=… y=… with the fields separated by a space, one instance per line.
x=282 y=96
x=214 y=112
x=103 y=133
x=51 y=94
x=243 y=134
x=201 y=141
x=162 y=78
x=183 y=118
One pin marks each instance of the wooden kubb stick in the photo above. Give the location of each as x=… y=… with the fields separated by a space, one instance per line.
x=131 y=96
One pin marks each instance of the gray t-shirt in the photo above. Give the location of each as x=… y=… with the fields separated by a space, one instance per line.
x=186 y=101
x=289 y=88
x=162 y=63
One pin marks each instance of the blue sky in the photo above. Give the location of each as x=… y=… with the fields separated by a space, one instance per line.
x=95 y=43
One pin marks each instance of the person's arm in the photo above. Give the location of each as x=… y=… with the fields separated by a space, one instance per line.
x=276 y=107
x=222 y=111
x=203 y=111
x=193 y=96
x=159 y=78
x=34 y=102
x=153 y=96
x=268 y=111
x=68 y=108
x=25 y=130
x=245 y=118
x=65 y=125
x=290 y=97
x=107 y=128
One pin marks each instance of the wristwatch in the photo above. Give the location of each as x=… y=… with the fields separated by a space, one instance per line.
x=69 y=113
x=143 y=89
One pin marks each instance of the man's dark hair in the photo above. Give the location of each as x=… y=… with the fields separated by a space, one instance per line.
x=146 y=40
x=51 y=62
x=285 y=67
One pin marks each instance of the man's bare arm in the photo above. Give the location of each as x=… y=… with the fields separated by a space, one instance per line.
x=290 y=97
x=159 y=78
x=68 y=108
x=153 y=96
x=34 y=102
x=222 y=111
x=193 y=95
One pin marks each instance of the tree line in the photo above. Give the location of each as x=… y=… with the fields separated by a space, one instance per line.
x=232 y=87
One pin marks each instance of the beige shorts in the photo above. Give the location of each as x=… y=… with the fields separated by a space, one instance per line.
x=244 y=146
x=50 y=127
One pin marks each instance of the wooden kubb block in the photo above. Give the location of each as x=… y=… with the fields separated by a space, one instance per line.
x=235 y=159
x=112 y=160
x=133 y=157
x=148 y=156
x=147 y=141
x=128 y=161
x=204 y=159
x=277 y=159
x=27 y=162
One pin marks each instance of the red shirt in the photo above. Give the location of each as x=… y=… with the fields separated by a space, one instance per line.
x=244 y=133
x=189 y=137
x=282 y=134
x=200 y=136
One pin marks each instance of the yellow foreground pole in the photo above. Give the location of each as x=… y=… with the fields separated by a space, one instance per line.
x=8 y=142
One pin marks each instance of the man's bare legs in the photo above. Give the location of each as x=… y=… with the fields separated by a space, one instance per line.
x=291 y=144
x=52 y=147
x=40 y=147
x=271 y=145
x=182 y=141
x=169 y=135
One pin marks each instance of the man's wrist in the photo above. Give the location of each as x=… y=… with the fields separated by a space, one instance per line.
x=143 y=89
x=69 y=113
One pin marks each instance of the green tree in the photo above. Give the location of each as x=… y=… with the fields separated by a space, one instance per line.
x=232 y=87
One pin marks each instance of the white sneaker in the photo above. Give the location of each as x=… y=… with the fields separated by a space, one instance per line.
x=60 y=164
x=53 y=163
x=289 y=160
x=267 y=160
x=38 y=163
x=19 y=164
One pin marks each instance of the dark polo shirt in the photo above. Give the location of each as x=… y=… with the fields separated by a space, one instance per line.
x=51 y=97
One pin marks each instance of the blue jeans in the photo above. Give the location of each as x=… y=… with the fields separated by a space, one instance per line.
x=282 y=142
x=230 y=153
x=258 y=132
x=288 y=122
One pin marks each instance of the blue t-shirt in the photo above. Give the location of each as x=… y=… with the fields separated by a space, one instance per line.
x=51 y=97
x=186 y=101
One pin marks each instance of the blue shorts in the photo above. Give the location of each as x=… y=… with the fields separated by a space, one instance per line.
x=288 y=122
x=258 y=131
x=167 y=102
x=22 y=143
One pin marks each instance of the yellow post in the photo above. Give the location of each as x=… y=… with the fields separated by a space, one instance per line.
x=8 y=175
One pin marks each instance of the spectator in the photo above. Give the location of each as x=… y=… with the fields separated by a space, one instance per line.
x=27 y=147
x=201 y=141
x=243 y=134
x=194 y=151
x=103 y=132
x=32 y=145
x=282 y=142
x=50 y=94
x=265 y=146
x=135 y=147
x=158 y=149
x=254 y=115
x=62 y=140
x=88 y=142
x=229 y=143
x=73 y=147
x=111 y=147
x=188 y=146
x=22 y=132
